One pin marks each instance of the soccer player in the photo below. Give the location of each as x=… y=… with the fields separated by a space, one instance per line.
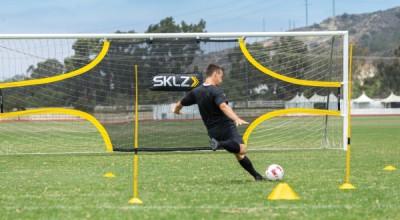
x=219 y=119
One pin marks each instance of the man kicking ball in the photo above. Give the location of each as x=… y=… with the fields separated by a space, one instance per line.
x=219 y=119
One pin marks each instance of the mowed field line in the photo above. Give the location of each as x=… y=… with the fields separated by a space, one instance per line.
x=179 y=207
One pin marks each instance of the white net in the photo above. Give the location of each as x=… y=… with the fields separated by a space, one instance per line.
x=106 y=91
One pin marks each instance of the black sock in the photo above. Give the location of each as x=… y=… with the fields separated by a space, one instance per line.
x=248 y=166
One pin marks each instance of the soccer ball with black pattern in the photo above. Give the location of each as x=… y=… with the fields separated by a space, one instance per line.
x=274 y=173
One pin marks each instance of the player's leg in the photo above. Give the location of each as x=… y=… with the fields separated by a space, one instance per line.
x=230 y=139
x=237 y=147
x=233 y=142
x=242 y=153
x=245 y=162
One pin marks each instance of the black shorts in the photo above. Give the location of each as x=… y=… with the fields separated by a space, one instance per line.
x=226 y=132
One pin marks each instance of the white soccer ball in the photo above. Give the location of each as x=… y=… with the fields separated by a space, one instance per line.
x=274 y=172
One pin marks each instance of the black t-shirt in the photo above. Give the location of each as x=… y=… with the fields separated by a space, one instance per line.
x=208 y=98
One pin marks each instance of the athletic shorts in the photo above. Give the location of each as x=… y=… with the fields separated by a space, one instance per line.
x=226 y=132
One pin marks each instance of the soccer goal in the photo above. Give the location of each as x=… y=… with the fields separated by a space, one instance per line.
x=77 y=93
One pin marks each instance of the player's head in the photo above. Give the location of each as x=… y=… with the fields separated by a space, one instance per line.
x=216 y=73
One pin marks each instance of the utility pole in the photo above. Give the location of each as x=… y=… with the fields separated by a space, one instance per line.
x=292 y=25
x=306 y=12
x=333 y=7
x=263 y=24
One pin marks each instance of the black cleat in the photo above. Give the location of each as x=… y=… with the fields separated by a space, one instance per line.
x=260 y=178
x=214 y=144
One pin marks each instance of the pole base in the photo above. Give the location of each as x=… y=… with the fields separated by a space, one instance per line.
x=347 y=186
x=135 y=201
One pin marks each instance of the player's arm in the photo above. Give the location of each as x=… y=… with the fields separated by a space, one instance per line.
x=186 y=101
x=231 y=114
x=177 y=108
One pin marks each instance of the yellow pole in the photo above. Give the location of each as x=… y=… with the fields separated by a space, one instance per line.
x=135 y=199
x=347 y=184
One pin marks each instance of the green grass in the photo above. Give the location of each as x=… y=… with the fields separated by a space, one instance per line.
x=81 y=136
x=209 y=185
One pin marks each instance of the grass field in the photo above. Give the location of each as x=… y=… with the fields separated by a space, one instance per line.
x=209 y=185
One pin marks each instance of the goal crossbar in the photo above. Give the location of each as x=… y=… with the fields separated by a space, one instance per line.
x=172 y=35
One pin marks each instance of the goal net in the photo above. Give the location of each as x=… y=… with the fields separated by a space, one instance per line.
x=76 y=93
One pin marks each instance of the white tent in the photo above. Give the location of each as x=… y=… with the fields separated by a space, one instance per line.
x=319 y=101
x=392 y=101
x=299 y=101
x=333 y=102
x=333 y=98
x=317 y=98
x=363 y=101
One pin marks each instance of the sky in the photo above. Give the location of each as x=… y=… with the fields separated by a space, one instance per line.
x=100 y=16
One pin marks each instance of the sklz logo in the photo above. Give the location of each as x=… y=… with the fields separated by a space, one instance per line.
x=171 y=81
x=175 y=82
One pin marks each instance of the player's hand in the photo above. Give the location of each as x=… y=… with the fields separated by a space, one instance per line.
x=239 y=121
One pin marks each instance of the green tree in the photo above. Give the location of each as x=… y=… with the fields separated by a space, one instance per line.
x=112 y=81
x=246 y=76
x=151 y=56
x=46 y=95
x=48 y=68
x=386 y=80
x=359 y=60
x=276 y=56
x=81 y=90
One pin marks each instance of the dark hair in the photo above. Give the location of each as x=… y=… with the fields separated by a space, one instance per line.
x=212 y=68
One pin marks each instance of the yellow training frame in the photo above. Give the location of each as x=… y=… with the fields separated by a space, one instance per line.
x=84 y=115
x=272 y=114
x=308 y=111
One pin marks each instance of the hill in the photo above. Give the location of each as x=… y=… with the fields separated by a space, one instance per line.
x=378 y=32
x=376 y=36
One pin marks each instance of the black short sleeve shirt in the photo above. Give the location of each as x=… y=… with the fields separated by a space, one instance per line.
x=208 y=98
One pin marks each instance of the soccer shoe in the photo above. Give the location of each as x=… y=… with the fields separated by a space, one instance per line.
x=260 y=178
x=214 y=144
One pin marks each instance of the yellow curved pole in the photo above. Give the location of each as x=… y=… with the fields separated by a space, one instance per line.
x=273 y=114
x=280 y=76
x=60 y=77
x=65 y=111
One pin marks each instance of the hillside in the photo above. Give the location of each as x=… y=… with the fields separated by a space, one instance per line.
x=378 y=31
x=376 y=35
